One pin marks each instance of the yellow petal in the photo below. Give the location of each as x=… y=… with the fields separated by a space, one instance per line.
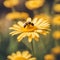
x=9 y=57
x=13 y=54
x=14 y=33
x=20 y=23
x=28 y=56
x=25 y=53
x=29 y=39
x=43 y=22
x=21 y=36
x=35 y=20
x=38 y=31
x=16 y=26
x=36 y=36
x=32 y=59
x=18 y=53
x=28 y=20
x=13 y=28
x=38 y=22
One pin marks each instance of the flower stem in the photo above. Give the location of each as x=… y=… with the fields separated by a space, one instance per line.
x=13 y=9
x=33 y=47
x=56 y=43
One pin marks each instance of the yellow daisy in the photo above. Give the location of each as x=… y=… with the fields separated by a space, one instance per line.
x=56 y=50
x=56 y=35
x=17 y=15
x=49 y=57
x=34 y=4
x=56 y=20
x=25 y=55
x=30 y=28
x=11 y=3
x=56 y=7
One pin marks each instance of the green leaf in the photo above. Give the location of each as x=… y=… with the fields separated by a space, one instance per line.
x=13 y=45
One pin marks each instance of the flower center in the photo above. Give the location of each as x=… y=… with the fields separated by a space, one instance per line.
x=29 y=27
x=20 y=58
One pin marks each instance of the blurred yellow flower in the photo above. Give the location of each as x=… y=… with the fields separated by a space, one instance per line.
x=25 y=55
x=49 y=57
x=24 y=15
x=11 y=3
x=56 y=35
x=34 y=4
x=56 y=7
x=30 y=29
x=56 y=50
x=13 y=15
x=17 y=15
x=43 y=15
x=56 y=20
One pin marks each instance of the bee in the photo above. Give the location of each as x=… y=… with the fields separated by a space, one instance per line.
x=28 y=23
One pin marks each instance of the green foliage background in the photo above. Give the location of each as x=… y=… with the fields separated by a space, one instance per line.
x=9 y=44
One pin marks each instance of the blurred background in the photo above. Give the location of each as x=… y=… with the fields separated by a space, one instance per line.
x=46 y=9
